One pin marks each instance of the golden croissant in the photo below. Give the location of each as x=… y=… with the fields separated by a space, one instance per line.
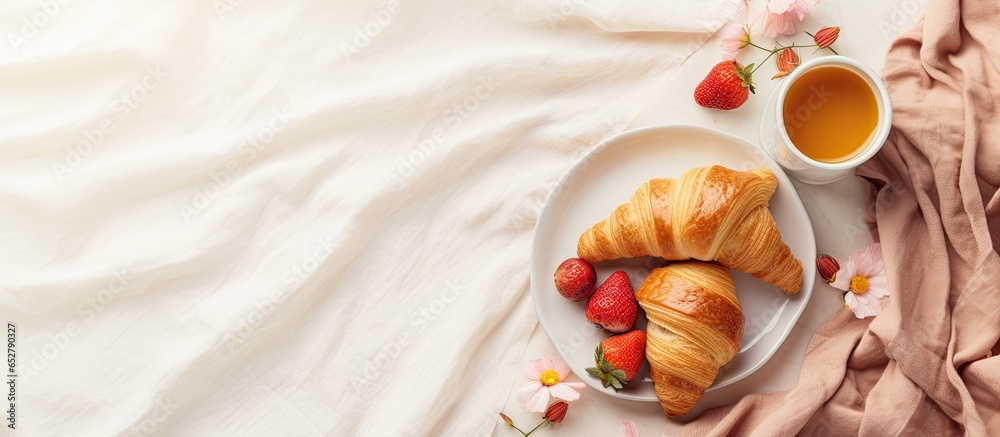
x=710 y=214
x=695 y=327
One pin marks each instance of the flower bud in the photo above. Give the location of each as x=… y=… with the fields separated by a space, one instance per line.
x=507 y=419
x=826 y=36
x=787 y=61
x=556 y=412
x=828 y=267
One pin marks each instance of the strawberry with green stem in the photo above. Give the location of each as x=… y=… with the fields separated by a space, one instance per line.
x=727 y=86
x=619 y=358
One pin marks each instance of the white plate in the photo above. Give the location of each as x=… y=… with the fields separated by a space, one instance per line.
x=605 y=178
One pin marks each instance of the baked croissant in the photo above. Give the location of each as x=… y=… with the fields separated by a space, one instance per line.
x=710 y=214
x=695 y=327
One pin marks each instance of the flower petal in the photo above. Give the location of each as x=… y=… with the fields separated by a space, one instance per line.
x=546 y=364
x=768 y=27
x=878 y=286
x=564 y=392
x=528 y=390
x=844 y=275
x=868 y=266
x=851 y=300
x=877 y=268
x=531 y=368
x=779 y=6
x=538 y=402
x=800 y=9
x=780 y=16
x=731 y=43
x=873 y=301
x=629 y=429
x=865 y=307
x=863 y=311
x=863 y=263
x=877 y=292
x=560 y=367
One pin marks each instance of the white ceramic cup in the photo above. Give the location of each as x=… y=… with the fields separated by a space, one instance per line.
x=779 y=147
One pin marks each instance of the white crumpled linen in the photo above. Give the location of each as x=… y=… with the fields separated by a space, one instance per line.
x=295 y=218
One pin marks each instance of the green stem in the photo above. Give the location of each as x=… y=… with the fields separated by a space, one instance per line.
x=780 y=47
x=544 y=422
x=762 y=63
x=518 y=429
x=793 y=46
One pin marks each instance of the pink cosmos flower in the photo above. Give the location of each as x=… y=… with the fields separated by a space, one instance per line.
x=737 y=34
x=863 y=276
x=780 y=16
x=546 y=378
x=629 y=429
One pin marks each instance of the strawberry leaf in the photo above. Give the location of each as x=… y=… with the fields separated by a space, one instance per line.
x=616 y=384
x=746 y=75
x=608 y=375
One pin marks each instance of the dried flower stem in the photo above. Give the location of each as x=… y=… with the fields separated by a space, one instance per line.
x=526 y=434
x=544 y=422
x=773 y=51
x=781 y=47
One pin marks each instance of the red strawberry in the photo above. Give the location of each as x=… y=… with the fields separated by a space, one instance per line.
x=726 y=86
x=613 y=305
x=619 y=358
x=575 y=279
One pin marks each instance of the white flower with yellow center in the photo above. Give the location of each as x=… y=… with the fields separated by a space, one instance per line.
x=864 y=279
x=547 y=377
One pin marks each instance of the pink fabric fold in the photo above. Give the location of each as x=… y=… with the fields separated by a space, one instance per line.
x=927 y=365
